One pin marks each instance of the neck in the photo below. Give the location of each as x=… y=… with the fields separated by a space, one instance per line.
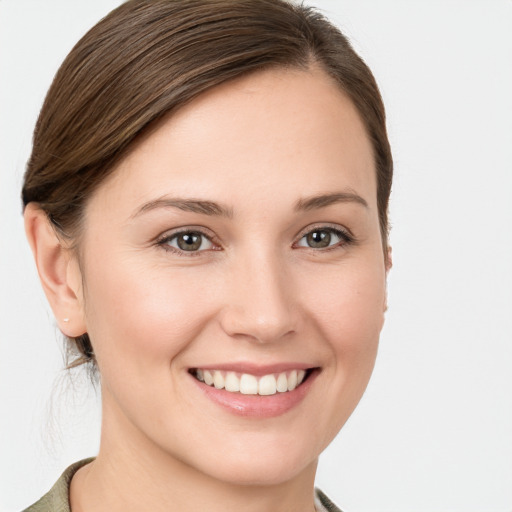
x=131 y=473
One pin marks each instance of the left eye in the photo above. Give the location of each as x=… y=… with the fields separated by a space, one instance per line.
x=189 y=241
x=322 y=238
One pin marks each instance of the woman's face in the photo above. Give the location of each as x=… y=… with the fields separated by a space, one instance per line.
x=239 y=242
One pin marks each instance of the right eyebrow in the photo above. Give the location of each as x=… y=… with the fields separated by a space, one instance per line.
x=186 y=204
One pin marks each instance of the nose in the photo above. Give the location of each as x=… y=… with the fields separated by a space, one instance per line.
x=260 y=304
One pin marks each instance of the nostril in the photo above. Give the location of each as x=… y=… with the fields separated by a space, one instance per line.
x=261 y=329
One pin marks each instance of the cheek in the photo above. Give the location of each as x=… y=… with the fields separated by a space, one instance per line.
x=142 y=316
x=349 y=307
x=349 y=316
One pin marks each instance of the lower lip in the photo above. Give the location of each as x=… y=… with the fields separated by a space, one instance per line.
x=258 y=406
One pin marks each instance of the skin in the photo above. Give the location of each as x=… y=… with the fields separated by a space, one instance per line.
x=256 y=293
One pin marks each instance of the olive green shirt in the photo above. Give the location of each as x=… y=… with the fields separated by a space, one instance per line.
x=57 y=499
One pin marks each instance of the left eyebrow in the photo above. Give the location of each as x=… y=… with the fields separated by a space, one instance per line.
x=323 y=200
x=187 y=205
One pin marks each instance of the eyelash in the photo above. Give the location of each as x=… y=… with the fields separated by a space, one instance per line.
x=166 y=239
x=345 y=239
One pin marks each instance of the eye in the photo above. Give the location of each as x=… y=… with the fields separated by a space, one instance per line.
x=322 y=238
x=187 y=241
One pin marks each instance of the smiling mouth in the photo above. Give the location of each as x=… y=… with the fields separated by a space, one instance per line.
x=248 y=384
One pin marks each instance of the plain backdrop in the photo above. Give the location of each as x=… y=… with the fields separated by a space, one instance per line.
x=434 y=430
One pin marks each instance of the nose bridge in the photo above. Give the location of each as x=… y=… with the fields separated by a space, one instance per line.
x=260 y=301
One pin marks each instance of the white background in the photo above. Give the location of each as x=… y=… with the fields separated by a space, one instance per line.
x=434 y=430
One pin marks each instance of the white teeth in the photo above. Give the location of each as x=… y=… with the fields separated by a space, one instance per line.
x=208 y=377
x=282 y=383
x=232 y=382
x=248 y=384
x=267 y=385
x=292 y=380
x=218 y=379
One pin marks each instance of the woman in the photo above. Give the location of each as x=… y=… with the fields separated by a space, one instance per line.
x=206 y=202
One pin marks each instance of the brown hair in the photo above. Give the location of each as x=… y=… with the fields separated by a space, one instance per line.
x=148 y=58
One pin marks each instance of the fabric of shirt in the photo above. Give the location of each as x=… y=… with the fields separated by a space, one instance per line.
x=57 y=499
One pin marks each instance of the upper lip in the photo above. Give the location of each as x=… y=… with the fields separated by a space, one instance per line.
x=256 y=369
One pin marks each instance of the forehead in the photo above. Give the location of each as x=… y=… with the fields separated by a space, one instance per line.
x=273 y=132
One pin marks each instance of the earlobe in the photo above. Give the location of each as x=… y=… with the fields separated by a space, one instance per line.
x=58 y=271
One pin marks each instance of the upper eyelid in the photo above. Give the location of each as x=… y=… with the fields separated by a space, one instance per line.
x=188 y=229
x=323 y=225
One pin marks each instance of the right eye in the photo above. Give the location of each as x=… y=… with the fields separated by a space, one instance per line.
x=187 y=241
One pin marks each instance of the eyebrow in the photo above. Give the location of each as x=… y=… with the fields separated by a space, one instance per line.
x=205 y=207
x=187 y=205
x=323 y=200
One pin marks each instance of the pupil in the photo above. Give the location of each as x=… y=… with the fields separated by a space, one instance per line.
x=189 y=241
x=319 y=239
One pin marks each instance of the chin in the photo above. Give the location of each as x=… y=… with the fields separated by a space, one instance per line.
x=269 y=462
x=261 y=472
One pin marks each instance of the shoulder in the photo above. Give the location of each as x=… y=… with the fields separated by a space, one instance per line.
x=57 y=498
x=323 y=503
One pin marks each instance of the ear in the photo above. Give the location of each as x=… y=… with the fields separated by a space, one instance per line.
x=389 y=259
x=389 y=264
x=58 y=270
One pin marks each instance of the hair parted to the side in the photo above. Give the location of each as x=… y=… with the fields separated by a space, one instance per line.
x=146 y=59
